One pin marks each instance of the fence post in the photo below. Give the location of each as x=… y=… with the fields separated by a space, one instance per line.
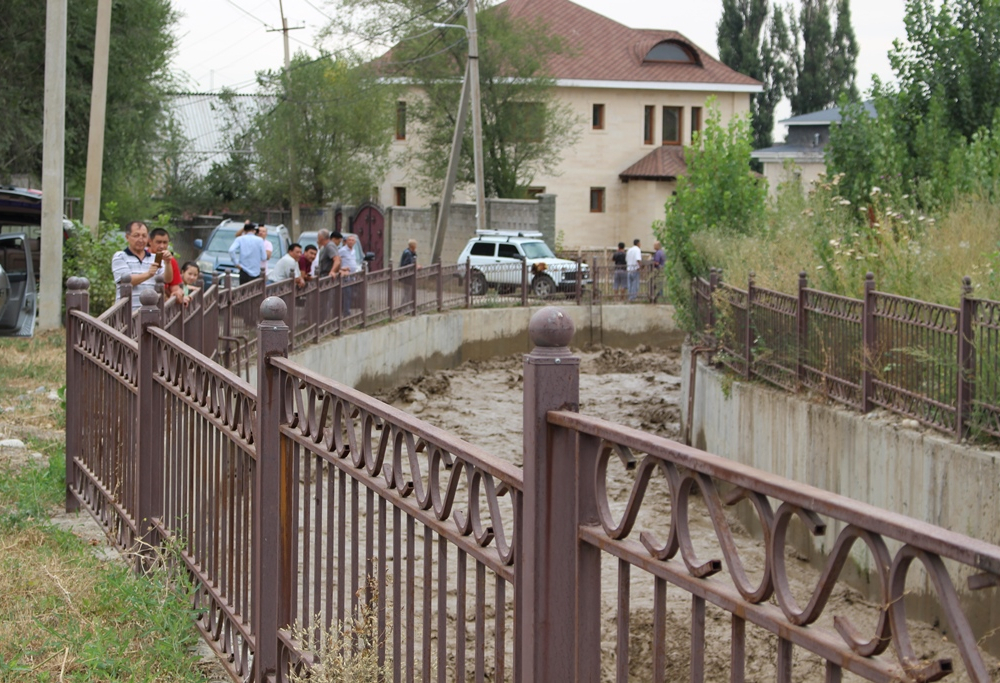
x=271 y=580
x=468 y=283
x=868 y=334
x=151 y=427
x=392 y=286
x=524 y=282
x=803 y=330
x=966 y=358
x=547 y=573
x=313 y=306
x=579 y=282
x=414 y=289
x=337 y=292
x=713 y=283
x=364 y=298
x=77 y=299
x=125 y=290
x=748 y=332
x=440 y=286
x=290 y=305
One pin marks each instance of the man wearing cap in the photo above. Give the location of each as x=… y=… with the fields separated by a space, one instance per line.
x=247 y=253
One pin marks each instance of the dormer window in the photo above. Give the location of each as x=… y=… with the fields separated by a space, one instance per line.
x=671 y=51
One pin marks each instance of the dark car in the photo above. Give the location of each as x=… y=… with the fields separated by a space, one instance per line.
x=214 y=257
x=17 y=286
x=21 y=213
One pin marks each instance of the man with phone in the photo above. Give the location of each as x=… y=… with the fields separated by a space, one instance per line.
x=248 y=253
x=134 y=260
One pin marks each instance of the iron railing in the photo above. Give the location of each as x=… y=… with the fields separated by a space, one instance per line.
x=932 y=363
x=300 y=501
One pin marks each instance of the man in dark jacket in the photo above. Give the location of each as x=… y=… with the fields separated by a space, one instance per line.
x=409 y=255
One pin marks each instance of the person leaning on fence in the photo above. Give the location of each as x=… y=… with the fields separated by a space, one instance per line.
x=288 y=267
x=247 y=253
x=348 y=266
x=633 y=260
x=620 y=281
x=329 y=253
x=659 y=262
x=409 y=257
x=307 y=261
x=134 y=260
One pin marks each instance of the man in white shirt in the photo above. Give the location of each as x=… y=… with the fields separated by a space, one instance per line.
x=288 y=267
x=134 y=260
x=251 y=254
x=348 y=266
x=633 y=257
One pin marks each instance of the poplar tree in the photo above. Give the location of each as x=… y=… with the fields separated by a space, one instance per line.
x=843 y=72
x=825 y=67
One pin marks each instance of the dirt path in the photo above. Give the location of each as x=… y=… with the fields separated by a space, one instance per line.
x=482 y=402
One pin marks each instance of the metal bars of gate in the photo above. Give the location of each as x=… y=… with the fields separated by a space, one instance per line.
x=390 y=514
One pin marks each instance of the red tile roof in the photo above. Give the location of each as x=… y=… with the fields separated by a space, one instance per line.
x=666 y=162
x=603 y=50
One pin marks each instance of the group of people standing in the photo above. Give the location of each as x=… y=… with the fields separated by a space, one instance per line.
x=628 y=266
x=148 y=255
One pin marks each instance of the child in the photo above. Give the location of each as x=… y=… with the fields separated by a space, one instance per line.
x=190 y=275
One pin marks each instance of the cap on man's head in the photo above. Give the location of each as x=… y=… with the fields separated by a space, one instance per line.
x=621 y=245
x=336 y=235
x=250 y=227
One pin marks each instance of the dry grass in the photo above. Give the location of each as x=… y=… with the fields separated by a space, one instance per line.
x=26 y=365
x=910 y=254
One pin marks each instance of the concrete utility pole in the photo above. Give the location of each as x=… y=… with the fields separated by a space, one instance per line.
x=53 y=164
x=293 y=199
x=470 y=88
x=98 y=107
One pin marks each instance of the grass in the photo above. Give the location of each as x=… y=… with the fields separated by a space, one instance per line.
x=65 y=614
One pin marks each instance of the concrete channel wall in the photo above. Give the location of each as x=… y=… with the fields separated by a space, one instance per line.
x=391 y=352
x=874 y=458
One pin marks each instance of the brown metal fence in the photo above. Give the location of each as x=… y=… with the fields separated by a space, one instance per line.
x=302 y=501
x=935 y=364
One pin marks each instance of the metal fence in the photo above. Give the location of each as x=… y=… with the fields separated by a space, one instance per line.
x=300 y=501
x=935 y=364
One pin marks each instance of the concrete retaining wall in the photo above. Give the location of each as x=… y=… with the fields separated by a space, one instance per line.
x=392 y=352
x=870 y=458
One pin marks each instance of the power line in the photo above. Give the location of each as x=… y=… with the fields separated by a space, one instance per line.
x=252 y=16
x=318 y=10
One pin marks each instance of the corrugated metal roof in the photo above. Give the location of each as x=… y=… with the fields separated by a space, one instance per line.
x=831 y=115
x=666 y=162
x=210 y=125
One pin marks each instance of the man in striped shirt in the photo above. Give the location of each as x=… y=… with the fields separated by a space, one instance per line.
x=134 y=260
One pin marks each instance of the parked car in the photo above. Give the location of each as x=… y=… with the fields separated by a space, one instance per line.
x=365 y=257
x=21 y=214
x=214 y=256
x=496 y=257
x=17 y=286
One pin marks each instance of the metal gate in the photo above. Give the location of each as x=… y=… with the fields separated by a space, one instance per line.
x=369 y=226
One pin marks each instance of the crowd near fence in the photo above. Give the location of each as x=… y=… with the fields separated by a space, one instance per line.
x=297 y=504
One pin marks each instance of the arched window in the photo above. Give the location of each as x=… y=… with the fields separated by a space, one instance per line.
x=670 y=51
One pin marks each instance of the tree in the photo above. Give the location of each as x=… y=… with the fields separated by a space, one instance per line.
x=138 y=83
x=825 y=67
x=525 y=129
x=335 y=117
x=719 y=194
x=746 y=47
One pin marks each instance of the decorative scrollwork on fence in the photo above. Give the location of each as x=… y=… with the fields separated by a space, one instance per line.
x=109 y=348
x=406 y=459
x=119 y=316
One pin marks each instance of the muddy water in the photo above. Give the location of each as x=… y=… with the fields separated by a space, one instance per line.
x=481 y=401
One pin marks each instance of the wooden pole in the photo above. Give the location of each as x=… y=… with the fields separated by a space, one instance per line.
x=98 y=107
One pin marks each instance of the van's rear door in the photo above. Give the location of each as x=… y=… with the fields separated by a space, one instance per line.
x=17 y=318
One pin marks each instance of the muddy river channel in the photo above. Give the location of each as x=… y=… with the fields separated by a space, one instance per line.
x=481 y=401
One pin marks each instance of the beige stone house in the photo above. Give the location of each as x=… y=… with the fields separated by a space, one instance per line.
x=638 y=94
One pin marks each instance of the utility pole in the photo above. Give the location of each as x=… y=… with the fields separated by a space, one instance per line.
x=53 y=165
x=470 y=89
x=292 y=195
x=98 y=107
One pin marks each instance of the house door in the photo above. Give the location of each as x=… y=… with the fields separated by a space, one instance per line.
x=369 y=226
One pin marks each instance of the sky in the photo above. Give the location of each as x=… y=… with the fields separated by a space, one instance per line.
x=223 y=43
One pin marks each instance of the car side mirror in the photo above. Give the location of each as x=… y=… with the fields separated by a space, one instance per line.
x=369 y=256
x=198 y=244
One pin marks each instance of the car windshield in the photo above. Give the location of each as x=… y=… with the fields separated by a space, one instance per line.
x=223 y=239
x=537 y=250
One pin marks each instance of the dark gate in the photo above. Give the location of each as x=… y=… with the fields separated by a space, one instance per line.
x=369 y=226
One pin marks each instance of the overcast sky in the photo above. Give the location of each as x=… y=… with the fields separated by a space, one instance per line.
x=223 y=43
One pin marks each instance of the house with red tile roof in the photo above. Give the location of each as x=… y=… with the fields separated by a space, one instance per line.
x=639 y=94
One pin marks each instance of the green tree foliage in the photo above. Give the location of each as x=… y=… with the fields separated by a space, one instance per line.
x=719 y=194
x=336 y=117
x=935 y=135
x=755 y=41
x=824 y=57
x=138 y=81
x=525 y=129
